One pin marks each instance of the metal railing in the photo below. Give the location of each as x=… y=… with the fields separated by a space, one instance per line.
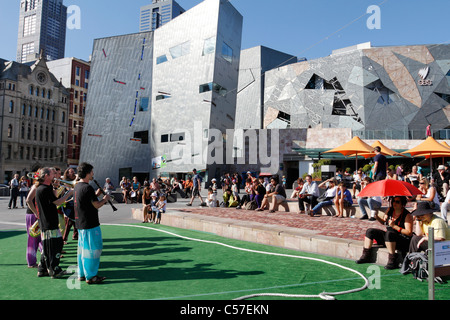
x=443 y=134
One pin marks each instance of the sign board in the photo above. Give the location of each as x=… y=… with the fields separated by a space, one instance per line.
x=441 y=253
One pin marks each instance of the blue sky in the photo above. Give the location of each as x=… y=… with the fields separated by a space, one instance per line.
x=305 y=28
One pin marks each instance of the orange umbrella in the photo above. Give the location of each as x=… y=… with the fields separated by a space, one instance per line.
x=437 y=155
x=353 y=148
x=429 y=148
x=384 y=150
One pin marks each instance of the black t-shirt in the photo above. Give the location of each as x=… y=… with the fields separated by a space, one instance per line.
x=280 y=190
x=47 y=211
x=86 y=215
x=381 y=168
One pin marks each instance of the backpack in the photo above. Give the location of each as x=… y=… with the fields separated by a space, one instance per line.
x=416 y=263
x=251 y=205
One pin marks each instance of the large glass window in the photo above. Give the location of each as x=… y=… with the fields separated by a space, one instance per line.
x=227 y=52
x=213 y=87
x=209 y=46
x=29 y=25
x=180 y=50
x=143 y=106
x=161 y=59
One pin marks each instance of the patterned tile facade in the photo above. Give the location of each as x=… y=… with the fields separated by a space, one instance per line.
x=403 y=88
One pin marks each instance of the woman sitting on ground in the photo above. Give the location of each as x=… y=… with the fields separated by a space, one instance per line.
x=430 y=194
x=399 y=230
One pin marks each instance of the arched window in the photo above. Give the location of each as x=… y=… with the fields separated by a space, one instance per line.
x=31 y=90
x=62 y=138
x=11 y=106
x=10 y=131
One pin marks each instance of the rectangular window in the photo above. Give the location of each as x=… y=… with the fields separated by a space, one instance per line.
x=174 y=137
x=161 y=59
x=164 y=138
x=143 y=105
x=213 y=87
x=142 y=135
x=180 y=50
x=27 y=48
x=227 y=52
x=209 y=46
x=29 y=25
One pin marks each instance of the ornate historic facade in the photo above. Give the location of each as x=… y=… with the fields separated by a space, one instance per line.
x=34 y=106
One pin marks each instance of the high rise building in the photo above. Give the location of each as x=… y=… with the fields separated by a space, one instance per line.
x=42 y=27
x=158 y=14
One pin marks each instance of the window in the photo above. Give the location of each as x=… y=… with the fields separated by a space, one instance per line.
x=161 y=59
x=143 y=105
x=27 y=48
x=162 y=97
x=209 y=46
x=10 y=131
x=142 y=135
x=164 y=138
x=213 y=87
x=174 y=137
x=227 y=52
x=11 y=106
x=63 y=117
x=29 y=25
x=180 y=50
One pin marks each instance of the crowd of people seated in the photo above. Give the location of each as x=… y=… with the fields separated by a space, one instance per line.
x=406 y=226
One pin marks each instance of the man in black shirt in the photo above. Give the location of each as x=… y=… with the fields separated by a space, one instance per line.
x=380 y=165
x=46 y=205
x=90 y=243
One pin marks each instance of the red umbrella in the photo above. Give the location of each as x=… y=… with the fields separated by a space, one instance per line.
x=389 y=187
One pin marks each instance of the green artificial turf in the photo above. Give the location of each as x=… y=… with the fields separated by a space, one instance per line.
x=142 y=264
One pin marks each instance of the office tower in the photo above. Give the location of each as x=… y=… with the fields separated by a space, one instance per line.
x=158 y=14
x=42 y=27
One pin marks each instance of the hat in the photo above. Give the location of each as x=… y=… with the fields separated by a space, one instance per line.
x=154 y=194
x=213 y=179
x=441 y=167
x=423 y=207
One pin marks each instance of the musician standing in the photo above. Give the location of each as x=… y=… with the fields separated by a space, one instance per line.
x=69 y=175
x=52 y=243
x=90 y=243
